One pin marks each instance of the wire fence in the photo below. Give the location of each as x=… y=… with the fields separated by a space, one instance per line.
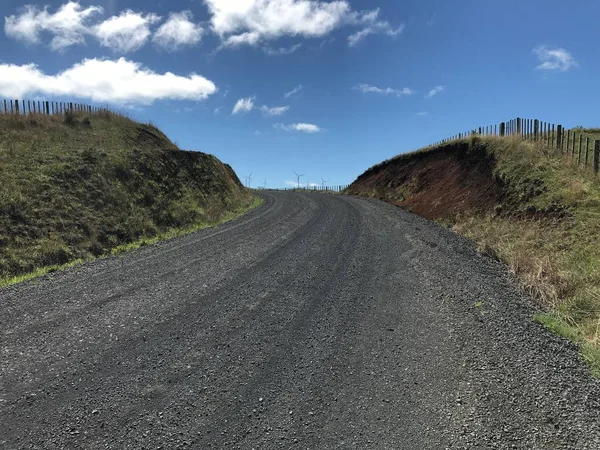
x=27 y=107
x=575 y=143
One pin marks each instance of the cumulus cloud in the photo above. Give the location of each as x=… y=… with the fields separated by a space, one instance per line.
x=554 y=58
x=68 y=25
x=294 y=91
x=302 y=127
x=436 y=90
x=243 y=105
x=178 y=31
x=274 y=111
x=126 y=32
x=254 y=21
x=251 y=21
x=368 y=89
x=103 y=80
x=422 y=113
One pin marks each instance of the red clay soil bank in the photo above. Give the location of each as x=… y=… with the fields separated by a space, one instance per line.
x=437 y=184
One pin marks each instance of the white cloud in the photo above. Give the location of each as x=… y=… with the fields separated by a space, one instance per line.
x=282 y=50
x=253 y=21
x=126 y=32
x=103 y=80
x=436 y=90
x=368 y=89
x=274 y=111
x=68 y=25
x=294 y=91
x=372 y=25
x=554 y=58
x=303 y=127
x=178 y=31
x=422 y=113
x=243 y=105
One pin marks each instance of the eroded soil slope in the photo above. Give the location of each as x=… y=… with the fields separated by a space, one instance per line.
x=438 y=184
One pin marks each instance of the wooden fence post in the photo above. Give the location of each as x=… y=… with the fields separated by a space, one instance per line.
x=573 y=149
x=552 y=137
x=536 y=129
x=587 y=150
x=580 y=148
x=518 y=125
x=559 y=135
x=502 y=125
x=568 y=141
x=17 y=107
x=596 y=155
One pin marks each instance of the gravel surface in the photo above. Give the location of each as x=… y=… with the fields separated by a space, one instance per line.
x=313 y=322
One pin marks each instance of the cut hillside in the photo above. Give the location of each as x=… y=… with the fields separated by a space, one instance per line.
x=82 y=185
x=525 y=204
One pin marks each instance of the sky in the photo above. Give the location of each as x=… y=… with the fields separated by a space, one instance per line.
x=321 y=88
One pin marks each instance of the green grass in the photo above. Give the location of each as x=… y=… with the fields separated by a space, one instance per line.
x=76 y=189
x=545 y=229
x=170 y=234
x=555 y=323
x=554 y=253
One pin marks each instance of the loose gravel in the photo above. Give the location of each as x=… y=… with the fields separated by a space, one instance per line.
x=313 y=322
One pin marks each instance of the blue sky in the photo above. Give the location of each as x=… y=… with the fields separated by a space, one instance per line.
x=373 y=78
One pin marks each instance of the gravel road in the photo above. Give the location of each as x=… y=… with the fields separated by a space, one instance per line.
x=313 y=322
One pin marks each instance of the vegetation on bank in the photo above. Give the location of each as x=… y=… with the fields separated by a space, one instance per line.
x=80 y=186
x=544 y=224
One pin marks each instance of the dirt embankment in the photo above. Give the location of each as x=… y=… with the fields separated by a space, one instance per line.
x=437 y=184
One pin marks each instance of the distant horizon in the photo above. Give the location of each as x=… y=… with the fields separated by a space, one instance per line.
x=328 y=90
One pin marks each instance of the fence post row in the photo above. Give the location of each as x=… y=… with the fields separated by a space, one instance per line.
x=23 y=107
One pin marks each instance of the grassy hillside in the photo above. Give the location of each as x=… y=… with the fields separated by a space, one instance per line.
x=79 y=186
x=526 y=205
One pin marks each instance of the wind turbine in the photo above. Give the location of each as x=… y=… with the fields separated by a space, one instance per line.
x=323 y=183
x=265 y=184
x=298 y=178
x=249 y=180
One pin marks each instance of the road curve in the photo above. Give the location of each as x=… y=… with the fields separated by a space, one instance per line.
x=313 y=322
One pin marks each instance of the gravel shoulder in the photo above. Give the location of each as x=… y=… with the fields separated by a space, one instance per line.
x=312 y=322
